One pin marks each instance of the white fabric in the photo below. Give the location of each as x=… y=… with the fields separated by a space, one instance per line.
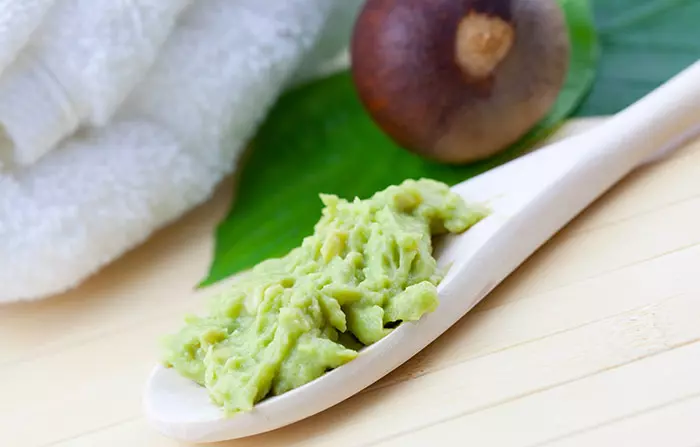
x=18 y=21
x=106 y=188
x=88 y=54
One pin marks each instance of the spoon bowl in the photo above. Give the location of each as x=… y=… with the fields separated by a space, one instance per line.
x=531 y=198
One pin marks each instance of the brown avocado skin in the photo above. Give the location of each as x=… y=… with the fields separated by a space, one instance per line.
x=457 y=81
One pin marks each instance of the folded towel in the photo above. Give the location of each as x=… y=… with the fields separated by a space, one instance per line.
x=77 y=67
x=106 y=188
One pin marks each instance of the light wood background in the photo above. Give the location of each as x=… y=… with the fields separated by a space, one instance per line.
x=592 y=342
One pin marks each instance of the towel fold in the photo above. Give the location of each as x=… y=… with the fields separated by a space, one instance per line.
x=79 y=65
x=18 y=21
x=106 y=188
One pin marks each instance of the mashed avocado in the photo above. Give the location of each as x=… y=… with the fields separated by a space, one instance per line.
x=367 y=267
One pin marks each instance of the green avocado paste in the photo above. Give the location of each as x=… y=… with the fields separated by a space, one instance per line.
x=367 y=268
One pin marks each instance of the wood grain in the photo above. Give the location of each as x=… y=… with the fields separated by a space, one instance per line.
x=593 y=341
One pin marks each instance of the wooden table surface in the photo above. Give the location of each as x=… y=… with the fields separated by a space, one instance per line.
x=592 y=342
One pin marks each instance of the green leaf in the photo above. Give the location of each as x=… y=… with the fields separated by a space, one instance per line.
x=644 y=43
x=319 y=138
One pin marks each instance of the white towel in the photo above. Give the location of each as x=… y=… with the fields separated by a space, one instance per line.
x=106 y=189
x=18 y=21
x=77 y=67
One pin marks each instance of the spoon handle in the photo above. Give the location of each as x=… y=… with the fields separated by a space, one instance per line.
x=596 y=160
x=654 y=122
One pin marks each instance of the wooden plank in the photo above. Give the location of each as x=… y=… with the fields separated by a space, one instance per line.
x=673 y=424
x=610 y=395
